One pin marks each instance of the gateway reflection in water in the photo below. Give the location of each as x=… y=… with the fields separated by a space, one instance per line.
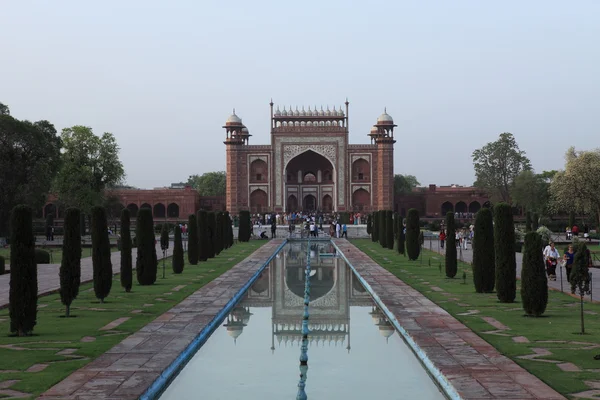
x=255 y=352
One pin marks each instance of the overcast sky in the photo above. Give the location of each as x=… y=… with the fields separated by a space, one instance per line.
x=164 y=76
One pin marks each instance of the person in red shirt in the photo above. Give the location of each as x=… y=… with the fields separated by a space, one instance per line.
x=442 y=238
x=575 y=230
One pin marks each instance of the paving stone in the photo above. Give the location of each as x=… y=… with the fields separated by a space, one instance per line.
x=88 y=339
x=37 y=367
x=137 y=311
x=13 y=394
x=520 y=339
x=115 y=323
x=66 y=352
x=8 y=383
x=147 y=305
x=568 y=367
x=178 y=288
x=495 y=323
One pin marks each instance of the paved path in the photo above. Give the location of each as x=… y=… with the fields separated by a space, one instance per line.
x=471 y=365
x=49 y=280
x=467 y=256
x=127 y=370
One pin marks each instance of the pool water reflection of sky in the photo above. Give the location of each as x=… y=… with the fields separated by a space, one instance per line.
x=353 y=353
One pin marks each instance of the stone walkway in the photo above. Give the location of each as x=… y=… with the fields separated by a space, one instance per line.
x=467 y=256
x=49 y=280
x=128 y=369
x=475 y=368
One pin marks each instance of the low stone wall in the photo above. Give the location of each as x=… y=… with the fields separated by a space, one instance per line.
x=354 y=231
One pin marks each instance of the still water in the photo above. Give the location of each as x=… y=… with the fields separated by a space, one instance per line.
x=353 y=351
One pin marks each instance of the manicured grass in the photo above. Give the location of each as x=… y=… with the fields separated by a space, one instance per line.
x=55 y=253
x=54 y=333
x=560 y=324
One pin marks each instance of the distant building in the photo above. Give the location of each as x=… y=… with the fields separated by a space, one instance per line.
x=435 y=201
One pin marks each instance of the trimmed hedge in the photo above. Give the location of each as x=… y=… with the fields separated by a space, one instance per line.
x=126 y=258
x=229 y=232
x=401 y=237
x=42 y=256
x=535 y=222
x=413 y=248
x=528 y=221
x=451 y=262
x=534 y=284
x=2 y=265
x=203 y=237
x=212 y=227
x=178 y=262
x=245 y=228
x=375 y=227
x=382 y=229
x=389 y=226
x=101 y=262
x=70 y=267
x=369 y=224
x=23 y=292
x=484 y=261
x=218 y=239
x=164 y=237
x=504 y=248
x=146 y=264
x=193 y=240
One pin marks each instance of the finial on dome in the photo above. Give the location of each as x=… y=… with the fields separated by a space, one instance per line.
x=234 y=111
x=385 y=110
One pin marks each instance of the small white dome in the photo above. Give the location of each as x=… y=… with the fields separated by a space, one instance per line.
x=315 y=112
x=284 y=112
x=244 y=129
x=386 y=331
x=385 y=118
x=277 y=112
x=302 y=112
x=341 y=112
x=328 y=112
x=374 y=129
x=233 y=119
x=234 y=333
x=296 y=112
x=321 y=112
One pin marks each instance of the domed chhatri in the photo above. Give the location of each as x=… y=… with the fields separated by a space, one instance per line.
x=233 y=120
x=385 y=118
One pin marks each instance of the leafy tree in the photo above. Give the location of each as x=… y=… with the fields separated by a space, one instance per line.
x=209 y=183
x=178 y=262
x=483 y=252
x=126 y=258
x=531 y=191
x=389 y=224
x=412 y=234
x=29 y=160
x=193 y=244
x=70 y=267
x=101 y=262
x=23 y=292
x=571 y=219
x=146 y=263
x=203 y=235
x=451 y=262
x=404 y=184
x=497 y=164
x=375 y=234
x=218 y=239
x=212 y=226
x=4 y=110
x=578 y=186
x=401 y=237
x=580 y=277
x=534 y=284
x=504 y=249
x=528 y=221
x=245 y=227
x=90 y=164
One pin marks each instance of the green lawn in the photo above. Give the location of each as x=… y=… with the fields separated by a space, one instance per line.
x=560 y=324
x=55 y=253
x=54 y=333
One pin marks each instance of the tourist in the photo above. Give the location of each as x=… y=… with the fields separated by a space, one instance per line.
x=551 y=256
x=569 y=258
x=273 y=230
x=344 y=231
x=442 y=238
x=337 y=229
x=575 y=231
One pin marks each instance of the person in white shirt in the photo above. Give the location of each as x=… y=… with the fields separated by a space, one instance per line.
x=551 y=257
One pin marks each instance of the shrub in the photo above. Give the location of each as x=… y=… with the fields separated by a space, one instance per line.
x=375 y=228
x=401 y=236
x=528 y=221
x=212 y=226
x=193 y=244
x=369 y=224
x=534 y=284
x=146 y=263
x=395 y=218
x=101 y=262
x=42 y=256
x=382 y=228
x=451 y=262
x=389 y=226
x=82 y=224
x=580 y=277
x=203 y=238
x=70 y=267
x=412 y=234
x=535 y=222
x=126 y=259
x=178 y=262
x=483 y=252
x=504 y=248
x=434 y=226
x=218 y=237
x=164 y=237
x=2 y=265
x=23 y=292
x=229 y=223
x=245 y=227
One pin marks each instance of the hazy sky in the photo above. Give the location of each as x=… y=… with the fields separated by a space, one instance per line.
x=164 y=76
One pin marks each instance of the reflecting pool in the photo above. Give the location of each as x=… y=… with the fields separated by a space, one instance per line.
x=353 y=351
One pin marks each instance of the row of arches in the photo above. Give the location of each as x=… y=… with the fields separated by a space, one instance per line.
x=280 y=124
x=158 y=210
x=461 y=207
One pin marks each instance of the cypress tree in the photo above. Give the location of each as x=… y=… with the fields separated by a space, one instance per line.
x=2 y=265
x=218 y=240
x=382 y=228
x=244 y=227
x=375 y=228
x=401 y=237
x=82 y=224
x=396 y=216
x=70 y=267
x=146 y=263
x=484 y=262
x=504 y=248
x=535 y=223
x=412 y=234
x=390 y=229
x=229 y=226
x=193 y=243
x=451 y=263
x=534 y=284
x=203 y=237
x=212 y=226
x=164 y=244
x=126 y=258
x=528 y=221
x=178 y=262
x=101 y=262
x=23 y=272
x=369 y=224
x=580 y=277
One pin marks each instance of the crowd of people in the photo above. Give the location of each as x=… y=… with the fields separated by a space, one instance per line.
x=311 y=223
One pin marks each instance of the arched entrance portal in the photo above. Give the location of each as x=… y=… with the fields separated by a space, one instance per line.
x=309 y=203
x=311 y=177
x=258 y=201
